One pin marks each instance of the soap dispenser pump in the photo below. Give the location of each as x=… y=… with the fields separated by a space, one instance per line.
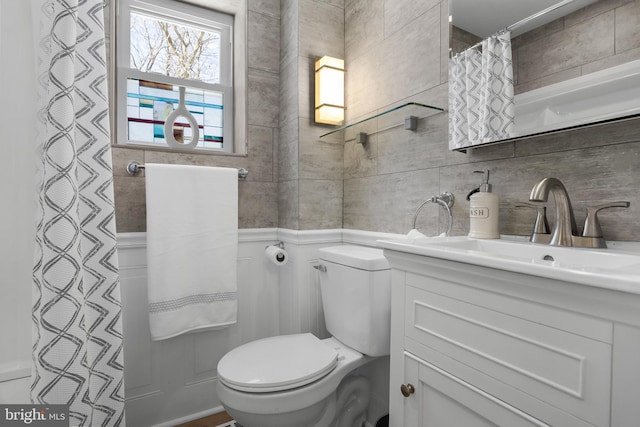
x=483 y=211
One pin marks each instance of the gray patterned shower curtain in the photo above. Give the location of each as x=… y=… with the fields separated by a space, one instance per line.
x=77 y=325
x=497 y=113
x=481 y=96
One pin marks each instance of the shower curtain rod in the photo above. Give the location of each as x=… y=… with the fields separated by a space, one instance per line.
x=538 y=14
x=523 y=21
x=134 y=168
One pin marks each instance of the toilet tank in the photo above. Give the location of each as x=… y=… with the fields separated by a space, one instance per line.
x=356 y=297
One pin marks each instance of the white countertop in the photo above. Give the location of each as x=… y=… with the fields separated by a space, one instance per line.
x=616 y=268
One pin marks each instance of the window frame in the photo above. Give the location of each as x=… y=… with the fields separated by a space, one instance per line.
x=182 y=14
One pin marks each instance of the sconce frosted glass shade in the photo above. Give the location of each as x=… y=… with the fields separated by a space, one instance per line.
x=329 y=90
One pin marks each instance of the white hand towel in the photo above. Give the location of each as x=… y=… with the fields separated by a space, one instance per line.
x=192 y=248
x=415 y=234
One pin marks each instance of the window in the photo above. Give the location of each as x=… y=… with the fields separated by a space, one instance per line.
x=165 y=46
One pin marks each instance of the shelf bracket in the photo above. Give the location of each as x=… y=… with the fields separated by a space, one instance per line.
x=411 y=123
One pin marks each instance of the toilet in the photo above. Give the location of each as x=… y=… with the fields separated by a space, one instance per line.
x=300 y=380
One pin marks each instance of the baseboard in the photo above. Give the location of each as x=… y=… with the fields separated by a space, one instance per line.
x=190 y=417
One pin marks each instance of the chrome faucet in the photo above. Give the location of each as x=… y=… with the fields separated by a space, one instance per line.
x=565 y=231
x=540 y=232
x=564 y=227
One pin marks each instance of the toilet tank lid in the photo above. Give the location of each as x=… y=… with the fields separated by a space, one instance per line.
x=362 y=257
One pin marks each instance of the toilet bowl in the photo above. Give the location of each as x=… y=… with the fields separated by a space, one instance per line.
x=300 y=380
x=265 y=400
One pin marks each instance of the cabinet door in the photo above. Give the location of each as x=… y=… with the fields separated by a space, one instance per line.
x=442 y=400
x=530 y=347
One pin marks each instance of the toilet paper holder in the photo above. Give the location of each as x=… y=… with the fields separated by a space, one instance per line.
x=279 y=244
x=277 y=254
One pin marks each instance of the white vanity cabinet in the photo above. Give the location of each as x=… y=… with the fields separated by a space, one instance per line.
x=476 y=346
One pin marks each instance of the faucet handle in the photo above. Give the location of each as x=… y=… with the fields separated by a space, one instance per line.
x=541 y=225
x=591 y=224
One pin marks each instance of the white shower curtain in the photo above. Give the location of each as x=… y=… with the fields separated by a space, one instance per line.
x=77 y=325
x=481 y=97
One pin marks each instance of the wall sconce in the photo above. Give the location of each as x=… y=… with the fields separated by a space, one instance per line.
x=329 y=90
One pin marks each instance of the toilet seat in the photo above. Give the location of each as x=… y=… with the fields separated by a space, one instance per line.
x=277 y=363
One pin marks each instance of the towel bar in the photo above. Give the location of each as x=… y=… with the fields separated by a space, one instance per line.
x=134 y=168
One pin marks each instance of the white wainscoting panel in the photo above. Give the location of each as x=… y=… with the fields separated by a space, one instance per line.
x=300 y=284
x=15 y=390
x=173 y=381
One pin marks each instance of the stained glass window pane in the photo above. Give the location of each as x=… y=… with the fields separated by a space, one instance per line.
x=150 y=103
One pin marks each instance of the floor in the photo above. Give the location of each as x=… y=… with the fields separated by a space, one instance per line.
x=221 y=419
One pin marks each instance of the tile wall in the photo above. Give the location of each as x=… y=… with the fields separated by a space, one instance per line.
x=258 y=194
x=402 y=55
x=395 y=51
x=310 y=169
x=606 y=33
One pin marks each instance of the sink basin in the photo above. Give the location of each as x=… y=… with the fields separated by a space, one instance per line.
x=577 y=258
x=617 y=267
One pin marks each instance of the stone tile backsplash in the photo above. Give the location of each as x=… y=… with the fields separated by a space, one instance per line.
x=396 y=51
x=386 y=181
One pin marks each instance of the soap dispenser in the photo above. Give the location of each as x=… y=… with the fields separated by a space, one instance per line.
x=483 y=212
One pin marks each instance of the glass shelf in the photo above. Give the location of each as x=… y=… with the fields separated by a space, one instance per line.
x=393 y=117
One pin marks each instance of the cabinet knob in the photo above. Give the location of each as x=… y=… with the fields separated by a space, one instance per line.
x=407 y=390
